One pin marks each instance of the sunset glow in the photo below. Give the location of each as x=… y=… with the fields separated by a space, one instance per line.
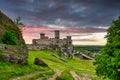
x=79 y=38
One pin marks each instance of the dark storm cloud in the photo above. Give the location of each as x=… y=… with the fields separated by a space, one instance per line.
x=68 y=13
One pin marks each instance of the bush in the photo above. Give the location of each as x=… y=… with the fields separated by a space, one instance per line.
x=108 y=62
x=9 y=38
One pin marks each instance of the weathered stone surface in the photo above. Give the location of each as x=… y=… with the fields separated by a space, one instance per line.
x=39 y=62
x=62 y=45
x=6 y=57
x=2 y=46
x=13 y=59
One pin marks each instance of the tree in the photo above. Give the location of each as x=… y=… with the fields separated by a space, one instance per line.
x=108 y=62
x=17 y=21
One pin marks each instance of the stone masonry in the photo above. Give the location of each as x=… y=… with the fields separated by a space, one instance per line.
x=63 y=45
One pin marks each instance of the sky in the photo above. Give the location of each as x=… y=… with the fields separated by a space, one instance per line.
x=85 y=20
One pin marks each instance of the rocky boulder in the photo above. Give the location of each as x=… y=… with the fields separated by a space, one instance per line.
x=40 y=62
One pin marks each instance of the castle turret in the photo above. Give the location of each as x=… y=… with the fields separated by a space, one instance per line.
x=34 y=41
x=69 y=41
x=42 y=35
x=57 y=34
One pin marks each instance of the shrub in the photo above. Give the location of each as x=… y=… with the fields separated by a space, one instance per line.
x=9 y=38
x=108 y=62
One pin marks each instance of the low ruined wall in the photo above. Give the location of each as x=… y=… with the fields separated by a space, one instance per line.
x=37 y=47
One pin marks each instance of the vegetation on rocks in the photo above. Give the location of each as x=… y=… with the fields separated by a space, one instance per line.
x=12 y=43
x=9 y=38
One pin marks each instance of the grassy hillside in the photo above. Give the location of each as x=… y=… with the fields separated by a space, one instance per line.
x=80 y=66
x=65 y=65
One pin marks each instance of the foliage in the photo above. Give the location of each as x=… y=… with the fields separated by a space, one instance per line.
x=90 y=48
x=9 y=37
x=7 y=24
x=108 y=62
x=17 y=21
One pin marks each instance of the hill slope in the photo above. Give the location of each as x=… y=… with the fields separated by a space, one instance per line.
x=12 y=45
x=83 y=68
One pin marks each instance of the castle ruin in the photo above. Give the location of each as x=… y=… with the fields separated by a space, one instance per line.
x=63 y=45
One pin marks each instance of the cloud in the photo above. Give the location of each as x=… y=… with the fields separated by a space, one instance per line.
x=77 y=13
x=84 y=20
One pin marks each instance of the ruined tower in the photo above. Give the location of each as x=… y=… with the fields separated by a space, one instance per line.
x=57 y=34
x=42 y=35
x=34 y=41
x=69 y=41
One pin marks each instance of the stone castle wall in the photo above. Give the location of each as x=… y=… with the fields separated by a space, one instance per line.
x=50 y=43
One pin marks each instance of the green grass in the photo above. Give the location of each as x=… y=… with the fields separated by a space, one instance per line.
x=65 y=76
x=45 y=74
x=8 y=70
x=75 y=64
